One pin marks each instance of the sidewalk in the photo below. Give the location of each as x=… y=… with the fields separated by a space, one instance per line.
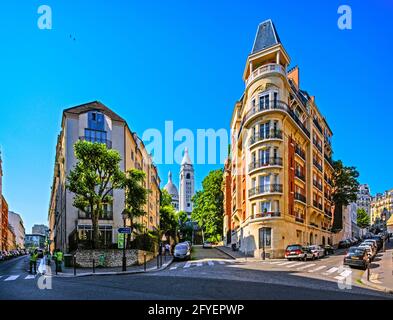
x=240 y=256
x=381 y=270
x=151 y=266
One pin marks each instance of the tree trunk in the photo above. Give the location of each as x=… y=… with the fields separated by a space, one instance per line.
x=94 y=220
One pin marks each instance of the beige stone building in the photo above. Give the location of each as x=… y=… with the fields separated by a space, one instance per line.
x=382 y=202
x=97 y=123
x=281 y=167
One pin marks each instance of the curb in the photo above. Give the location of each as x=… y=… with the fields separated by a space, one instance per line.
x=374 y=286
x=113 y=273
x=228 y=254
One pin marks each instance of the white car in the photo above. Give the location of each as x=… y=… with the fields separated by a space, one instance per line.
x=317 y=251
x=373 y=242
x=369 y=249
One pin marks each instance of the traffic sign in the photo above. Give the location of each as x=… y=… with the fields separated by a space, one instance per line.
x=125 y=230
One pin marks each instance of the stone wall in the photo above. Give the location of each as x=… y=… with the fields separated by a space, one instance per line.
x=112 y=258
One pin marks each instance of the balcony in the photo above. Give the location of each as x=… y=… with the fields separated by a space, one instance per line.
x=267 y=215
x=312 y=224
x=262 y=163
x=328 y=181
x=273 y=134
x=299 y=219
x=300 y=152
x=317 y=185
x=266 y=189
x=329 y=161
x=300 y=175
x=108 y=143
x=317 y=205
x=106 y=215
x=300 y=197
x=273 y=105
x=265 y=70
x=318 y=165
x=318 y=146
x=328 y=213
x=316 y=123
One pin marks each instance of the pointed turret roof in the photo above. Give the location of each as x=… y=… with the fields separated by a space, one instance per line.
x=186 y=158
x=266 y=36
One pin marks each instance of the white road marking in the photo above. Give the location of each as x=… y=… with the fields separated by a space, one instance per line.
x=12 y=278
x=173 y=268
x=285 y=263
x=331 y=270
x=187 y=265
x=29 y=277
x=221 y=262
x=317 y=269
x=295 y=264
x=306 y=266
x=199 y=264
x=210 y=263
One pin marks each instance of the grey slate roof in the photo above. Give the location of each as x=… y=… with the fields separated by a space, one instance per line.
x=92 y=106
x=266 y=36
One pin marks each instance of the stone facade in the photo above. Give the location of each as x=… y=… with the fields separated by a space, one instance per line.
x=112 y=258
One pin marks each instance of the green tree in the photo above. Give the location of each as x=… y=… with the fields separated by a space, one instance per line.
x=92 y=180
x=168 y=217
x=345 y=188
x=363 y=219
x=135 y=198
x=208 y=206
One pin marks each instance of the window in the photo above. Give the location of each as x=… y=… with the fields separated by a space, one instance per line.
x=264 y=101
x=95 y=136
x=265 y=206
x=264 y=129
x=265 y=237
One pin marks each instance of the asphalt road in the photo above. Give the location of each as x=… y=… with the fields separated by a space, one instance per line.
x=211 y=277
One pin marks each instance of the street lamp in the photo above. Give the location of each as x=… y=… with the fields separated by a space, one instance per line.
x=124 y=215
x=263 y=244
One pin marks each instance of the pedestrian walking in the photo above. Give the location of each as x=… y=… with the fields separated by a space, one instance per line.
x=167 y=249
x=59 y=260
x=33 y=261
x=48 y=258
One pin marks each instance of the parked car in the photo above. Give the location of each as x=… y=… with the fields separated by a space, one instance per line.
x=357 y=257
x=373 y=242
x=317 y=251
x=328 y=249
x=296 y=251
x=344 y=244
x=378 y=240
x=207 y=245
x=189 y=243
x=369 y=249
x=182 y=251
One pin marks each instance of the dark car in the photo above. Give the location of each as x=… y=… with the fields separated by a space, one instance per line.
x=344 y=244
x=379 y=241
x=328 y=249
x=357 y=257
x=182 y=252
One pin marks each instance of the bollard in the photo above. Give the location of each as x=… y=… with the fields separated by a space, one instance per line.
x=94 y=266
x=74 y=265
x=144 y=261
x=158 y=261
x=368 y=272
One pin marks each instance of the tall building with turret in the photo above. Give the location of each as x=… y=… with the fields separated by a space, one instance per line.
x=187 y=184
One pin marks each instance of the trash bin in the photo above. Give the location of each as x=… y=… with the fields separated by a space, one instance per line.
x=68 y=260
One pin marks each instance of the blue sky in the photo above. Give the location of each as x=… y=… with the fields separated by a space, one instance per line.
x=183 y=61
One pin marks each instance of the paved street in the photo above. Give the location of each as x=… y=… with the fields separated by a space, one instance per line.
x=212 y=276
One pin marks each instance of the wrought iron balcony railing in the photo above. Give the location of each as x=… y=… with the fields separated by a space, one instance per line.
x=265 y=163
x=265 y=189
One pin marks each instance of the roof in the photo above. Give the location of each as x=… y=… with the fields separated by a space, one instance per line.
x=186 y=158
x=171 y=188
x=92 y=106
x=266 y=36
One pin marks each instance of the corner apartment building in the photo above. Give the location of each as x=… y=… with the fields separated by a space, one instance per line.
x=382 y=203
x=281 y=167
x=16 y=223
x=95 y=122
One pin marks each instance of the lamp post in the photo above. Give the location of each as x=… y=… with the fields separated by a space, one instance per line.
x=263 y=244
x=124 y=215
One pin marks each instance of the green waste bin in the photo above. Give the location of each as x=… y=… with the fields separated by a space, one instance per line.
x=68 y=260
x=101 y=260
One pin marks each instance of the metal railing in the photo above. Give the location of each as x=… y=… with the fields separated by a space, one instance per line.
x=272 y=134
x=318 y=165
x=300 y=175
x=319 y=147
x=317 y=185
x=267 y=215
x=317 y=205
x=329 y=160
x=300 y=197
x=266 y=69
x=270 y=188
x=105 y=215
x=274 y=105
x=299 y=219
x=316 y=123
x=265 y=163
x=299 y=151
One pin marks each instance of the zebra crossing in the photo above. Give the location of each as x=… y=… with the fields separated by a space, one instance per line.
x=337 y=272
x=14 y=277
x=209 y=263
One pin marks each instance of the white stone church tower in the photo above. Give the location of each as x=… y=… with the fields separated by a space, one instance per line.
x=187 y=184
